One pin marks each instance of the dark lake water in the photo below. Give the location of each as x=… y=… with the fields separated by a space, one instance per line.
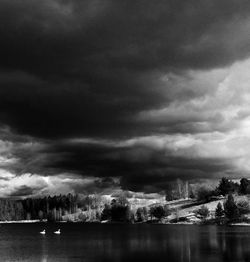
x=103 y=242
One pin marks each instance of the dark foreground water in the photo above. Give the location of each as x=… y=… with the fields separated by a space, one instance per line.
x=103 y=242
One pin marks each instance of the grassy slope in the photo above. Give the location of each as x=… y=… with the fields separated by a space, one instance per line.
x=182 y=207
x=187 y=208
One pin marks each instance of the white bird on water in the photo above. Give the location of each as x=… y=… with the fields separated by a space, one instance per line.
x=58 y=232
x=43 y=232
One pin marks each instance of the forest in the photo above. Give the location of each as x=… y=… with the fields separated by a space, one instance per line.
x=95 y=208
x=50 y=208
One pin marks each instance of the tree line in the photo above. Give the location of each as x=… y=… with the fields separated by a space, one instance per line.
x=181 y=189
x=228 y=212
x=92 y=208
x=49 y=208
x=78 y=208
x=231 y=210
x=119 y=211
x=225 y=187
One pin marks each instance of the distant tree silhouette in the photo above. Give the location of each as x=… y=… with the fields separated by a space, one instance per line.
x=106 y=212
x=157 y=212
x=230 y=208
x=227 y=186
x=219 y=212
x=204 y=194
x=120 y=210
x=244 y=186
x=120 y=213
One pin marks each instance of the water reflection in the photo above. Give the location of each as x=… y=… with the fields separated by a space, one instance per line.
x=234 y=245
x=44 y=249
x=80 y=242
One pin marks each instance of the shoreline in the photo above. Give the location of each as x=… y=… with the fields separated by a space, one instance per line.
x=23 y=221
x=80 y=222
x=240 y=224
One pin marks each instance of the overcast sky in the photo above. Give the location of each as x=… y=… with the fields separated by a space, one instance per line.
x=97 y=95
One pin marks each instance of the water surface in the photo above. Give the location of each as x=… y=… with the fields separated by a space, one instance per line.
x=103 y=242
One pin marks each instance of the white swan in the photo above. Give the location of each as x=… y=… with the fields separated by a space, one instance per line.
x=43 y=232
x=58 y=232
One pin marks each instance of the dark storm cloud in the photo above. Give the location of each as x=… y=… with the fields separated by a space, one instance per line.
x=106 y=182
x=114 y=71
x=87 y=67
x=139 y=167
x=23 y=191
x=94 y=185
x=142 y=164
x=73 y=37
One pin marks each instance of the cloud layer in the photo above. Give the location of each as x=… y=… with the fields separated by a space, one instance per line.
x=129 y=94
